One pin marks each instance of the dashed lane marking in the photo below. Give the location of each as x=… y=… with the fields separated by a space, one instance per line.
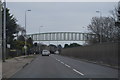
x=67 y=65
x=62 y=62
x=78 y=72
x=70 y=67
x=58 y=60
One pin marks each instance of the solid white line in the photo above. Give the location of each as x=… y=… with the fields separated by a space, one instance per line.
x=78 y=72
x=58 y=60
x=67 y=65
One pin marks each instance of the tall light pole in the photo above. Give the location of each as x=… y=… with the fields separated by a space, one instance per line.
x=25 y=33
x=39 y=38
x=100 y=25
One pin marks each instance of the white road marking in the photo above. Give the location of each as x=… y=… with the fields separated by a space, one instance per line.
x=70 y=67
x=58 y=60
x=67 y=65
x=78 y=72
x=62 y=62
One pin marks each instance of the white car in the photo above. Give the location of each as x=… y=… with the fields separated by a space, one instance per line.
x=56 y=52
x=45 y=53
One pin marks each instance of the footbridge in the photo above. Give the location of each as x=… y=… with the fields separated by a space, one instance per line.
x=61 y=36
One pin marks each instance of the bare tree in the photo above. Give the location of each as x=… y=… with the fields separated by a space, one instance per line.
x=114 y=13
x=108 y=28
x=95 y=27
x=116 y=16
x=104 y=27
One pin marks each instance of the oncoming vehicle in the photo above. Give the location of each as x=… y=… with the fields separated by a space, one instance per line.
x=45 y=53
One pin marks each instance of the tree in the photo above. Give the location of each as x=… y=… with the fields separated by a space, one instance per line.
x=72 y=45
x=21 y=38
x=29 y=45
x=36 y=48
x=108 y=26
x=29 y=42
x=118 y=26
x=59 y=48
x=20 y=29
x=66 y=46
x=19 y=43
x=35 y=44
x=52 y=48
x=117 y=22
x=11 y=26
x=104 y=27
x=116 y=16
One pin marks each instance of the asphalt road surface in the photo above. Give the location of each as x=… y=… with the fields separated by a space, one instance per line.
x=0 y=69
x=56 y=66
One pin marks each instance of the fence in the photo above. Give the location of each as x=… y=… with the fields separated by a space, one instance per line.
x=106 y=53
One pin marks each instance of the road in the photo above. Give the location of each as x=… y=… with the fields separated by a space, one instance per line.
x=56 y=66
x=0 y=69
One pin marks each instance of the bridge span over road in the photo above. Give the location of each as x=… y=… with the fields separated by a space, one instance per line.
x=61 y=36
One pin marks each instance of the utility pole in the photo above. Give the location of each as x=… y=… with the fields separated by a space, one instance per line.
x=0 y=30
x=4 y=33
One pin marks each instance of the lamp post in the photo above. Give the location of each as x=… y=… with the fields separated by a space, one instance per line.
x=25 y=33
x=100 y=25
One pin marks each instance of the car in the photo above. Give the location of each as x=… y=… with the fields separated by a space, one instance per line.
x=45 y=53
x=56 y=52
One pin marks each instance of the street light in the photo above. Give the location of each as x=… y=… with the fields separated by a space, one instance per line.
x=101 y=26
x=26 y=32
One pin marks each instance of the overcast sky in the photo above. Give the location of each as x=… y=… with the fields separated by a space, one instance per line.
x=58 y=16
